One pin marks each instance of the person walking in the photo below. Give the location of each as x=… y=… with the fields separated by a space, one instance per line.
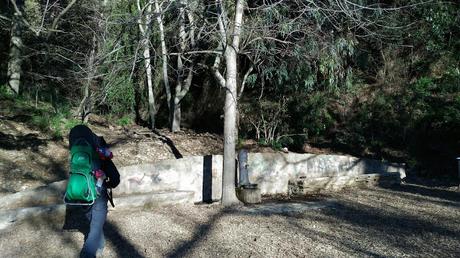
x=107 y=177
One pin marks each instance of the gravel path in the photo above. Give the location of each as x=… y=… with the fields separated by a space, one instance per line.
x=409 y=221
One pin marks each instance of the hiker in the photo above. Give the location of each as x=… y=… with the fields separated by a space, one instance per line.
x=103 y=176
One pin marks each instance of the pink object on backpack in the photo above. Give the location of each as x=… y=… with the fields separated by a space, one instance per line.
x=104 y=153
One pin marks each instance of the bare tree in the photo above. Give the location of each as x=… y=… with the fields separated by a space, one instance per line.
x=19 y=23
x=145 y=28
x=164 y=52
x=15 y=58
x=185 y=61
x=86 y=105
x=187 y=39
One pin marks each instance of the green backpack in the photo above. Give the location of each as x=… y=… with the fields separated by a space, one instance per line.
x=81 y=187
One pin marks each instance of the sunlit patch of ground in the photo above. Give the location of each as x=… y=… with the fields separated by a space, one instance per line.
x=409 y=220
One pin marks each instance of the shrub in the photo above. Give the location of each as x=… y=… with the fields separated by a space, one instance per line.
x=120 y=95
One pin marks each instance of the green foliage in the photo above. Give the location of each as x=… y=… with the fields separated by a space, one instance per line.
x=120 y=95
x=440 y=19
x=33 y=12
x=40 y=121
x=366 y=81
x=251 y=79
x=5 y=93
x=39 y=115
x=55 y=123
x=60 y=123
x=274 y=144
x=125 y=121
x=310 y=114
x=332 y=63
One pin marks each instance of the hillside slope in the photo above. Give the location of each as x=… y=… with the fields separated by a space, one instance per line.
x=30 y=157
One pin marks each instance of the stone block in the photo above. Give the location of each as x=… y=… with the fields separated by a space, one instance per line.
x=303 y=185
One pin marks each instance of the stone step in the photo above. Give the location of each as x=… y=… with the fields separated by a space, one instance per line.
x=53 y=193
x=382 y=179
x=57 y=211
x=38 y=214
x=41 y=196
x=148 y=200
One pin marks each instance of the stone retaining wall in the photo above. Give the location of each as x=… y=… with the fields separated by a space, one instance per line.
x=202 y=176
x=272 y=171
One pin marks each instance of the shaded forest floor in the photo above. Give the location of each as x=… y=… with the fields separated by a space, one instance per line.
x=405 y=221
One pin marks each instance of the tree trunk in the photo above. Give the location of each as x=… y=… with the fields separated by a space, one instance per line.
x=176 y=112
x=15 y=58
x=164 y=54
x=89 y=80
x=145 y=42
x=230 y=129
x=183 y=85
x=228 y=181
x=181 y=91
x=148 y=72
x=176 y=116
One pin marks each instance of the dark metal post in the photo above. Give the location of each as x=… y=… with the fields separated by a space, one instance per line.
x=458 y=162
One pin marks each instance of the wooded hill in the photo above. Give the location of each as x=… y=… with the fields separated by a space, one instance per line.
x=376 y=79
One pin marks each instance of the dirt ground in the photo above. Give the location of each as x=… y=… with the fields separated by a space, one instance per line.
x=407 y=221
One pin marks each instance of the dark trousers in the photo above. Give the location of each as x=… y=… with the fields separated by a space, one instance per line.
x=96 y=216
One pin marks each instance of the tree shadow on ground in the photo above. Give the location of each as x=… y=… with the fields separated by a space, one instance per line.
x=390 y=226
x=12 y=142
x=379 y=220
x=345 y=224
x=432 y=182
x=34 y=164
x=344 y=245
x=426 y=191
x=348 y=223
x=52 y=219
x=200 y=234
x=43 y=169
x=123 y=246
x=170 y=143
x=74 y=221
x=44 y=226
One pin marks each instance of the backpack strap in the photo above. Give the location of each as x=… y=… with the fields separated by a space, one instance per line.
x=110 y=196
x=81 y=140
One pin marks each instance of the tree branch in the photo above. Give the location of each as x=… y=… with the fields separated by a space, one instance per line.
x=198 y=52
x=217 y=74
x=56 y=20
x=4 y=18
x=244 y=81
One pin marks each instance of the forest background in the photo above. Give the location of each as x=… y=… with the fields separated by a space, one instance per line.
x=378 y=79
